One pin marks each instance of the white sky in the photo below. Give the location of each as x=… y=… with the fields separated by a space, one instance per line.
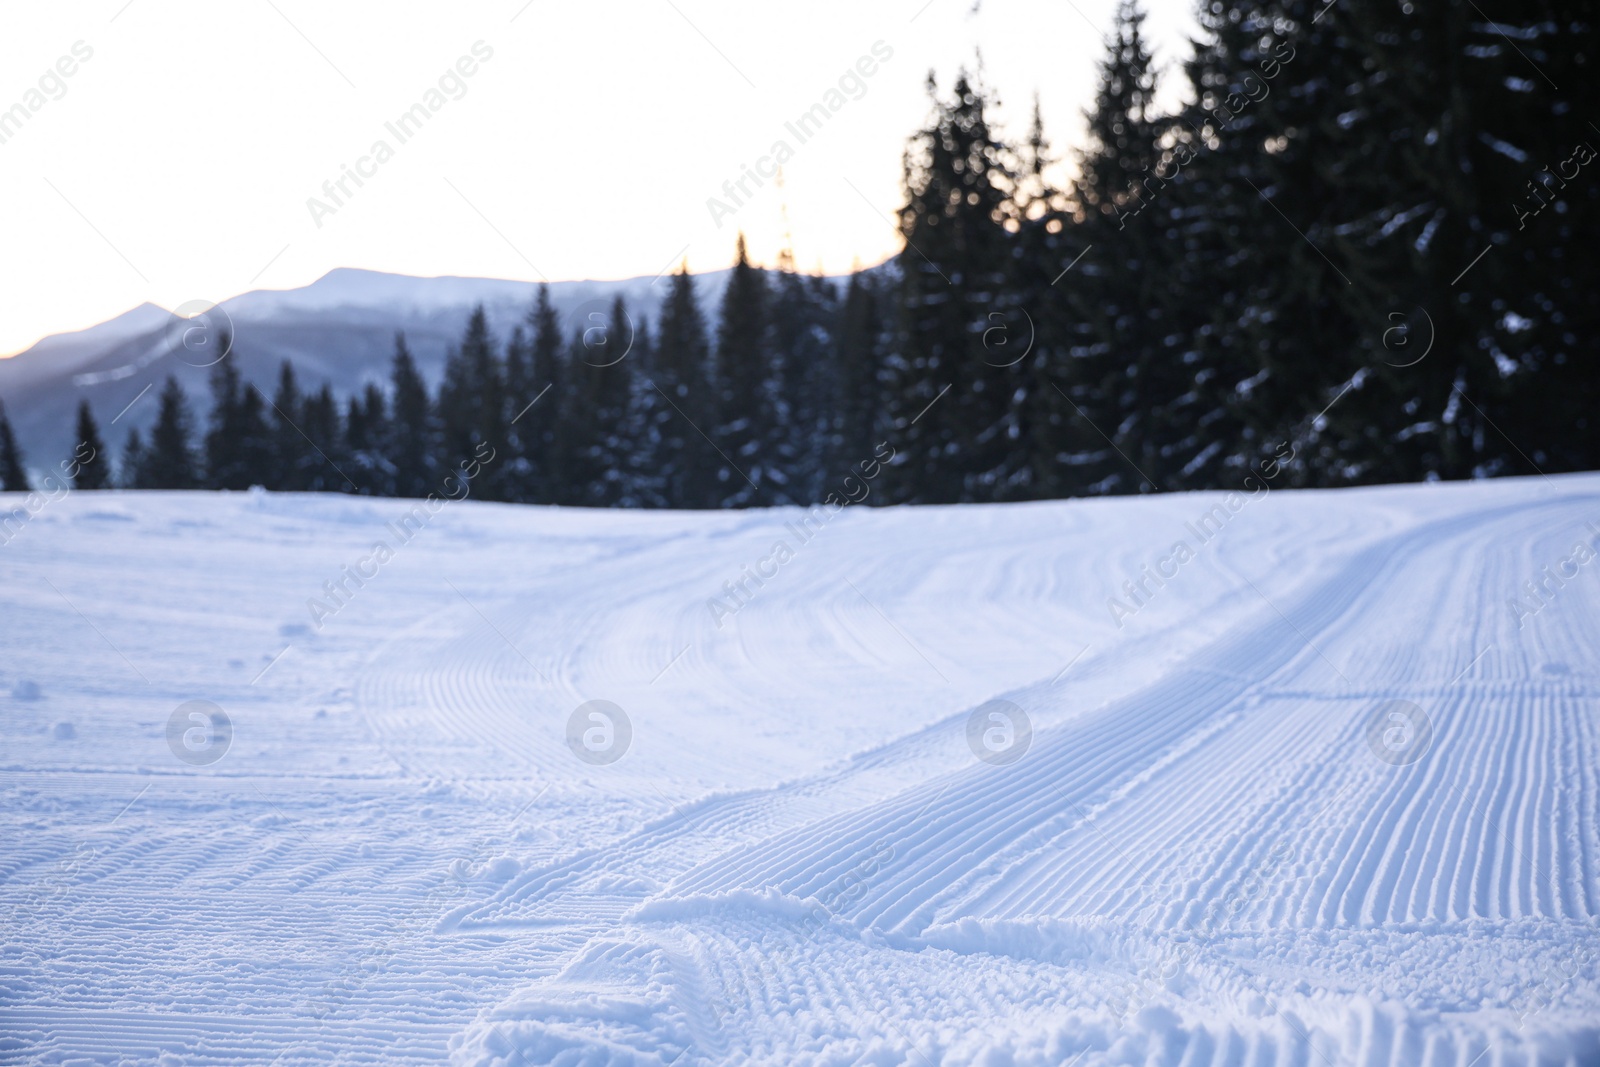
x=177 y=163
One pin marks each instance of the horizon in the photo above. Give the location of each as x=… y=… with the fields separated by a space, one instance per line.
x=415 y=277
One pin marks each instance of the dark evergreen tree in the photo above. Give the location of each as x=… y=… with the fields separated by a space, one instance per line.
x=1128 y=374
x=255 y=452
x=1452 y=131
x=516 y=455
x=803 y=370
x=170 y=461
x=860 y=344
x=956 y=409
x=599 y=410
x=1066 y=367
x=323 y=468
x=472 y=404
x=1270 y=333
x=89 y=454
x=233 y=440
x=132 y=466
x=366 y=432
x=292 y=458
x=410 y=452
x=13 y=476
x=539 y=424
x=747 y=419
x=684 y=380
x=646 y=484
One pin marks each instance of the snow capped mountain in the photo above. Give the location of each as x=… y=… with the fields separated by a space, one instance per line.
x=72 y=352
x=339 y=328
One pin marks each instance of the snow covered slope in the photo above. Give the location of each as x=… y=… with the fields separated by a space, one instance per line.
x=1328 y=793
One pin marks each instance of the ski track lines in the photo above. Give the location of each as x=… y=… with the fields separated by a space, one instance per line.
x=1199 y=861
x=1087 y=827
x=225 y=885
x=461 y=693
x=1073 y=767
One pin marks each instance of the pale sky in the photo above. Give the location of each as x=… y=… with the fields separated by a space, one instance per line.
x=175 y=161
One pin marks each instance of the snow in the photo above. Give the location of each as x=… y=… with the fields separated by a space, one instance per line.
x=381 y=836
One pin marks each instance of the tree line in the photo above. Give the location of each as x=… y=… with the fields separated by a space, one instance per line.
x=610 y=414
x=1364 y=251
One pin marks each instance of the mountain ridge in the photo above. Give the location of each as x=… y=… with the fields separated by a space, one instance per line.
x=339 y=328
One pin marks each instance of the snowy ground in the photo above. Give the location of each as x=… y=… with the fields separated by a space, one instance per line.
x=1225 y=841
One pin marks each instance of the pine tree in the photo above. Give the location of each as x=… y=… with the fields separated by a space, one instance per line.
x=1260 y=232
x=13 y=477
x=956 y=410
x=599 y=412
x=515 y=460
x=89 y=454
x=132 y=467
x=746 y=417
x=1447 y=144
x=366 y=431
x=1128 y=373
x=803 y=365
x=472 y=404
x=292 y=458
x=684 y=380
x=646 y=480
x=170 y=462
x=1067 y=455
x=1123 y=126
x=410 y=451
x=255 y=456
x=861 y=345
x=538 y=425
x=320 y=415
x=224 y=467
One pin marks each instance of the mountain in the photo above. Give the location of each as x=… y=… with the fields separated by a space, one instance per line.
x=339 y=329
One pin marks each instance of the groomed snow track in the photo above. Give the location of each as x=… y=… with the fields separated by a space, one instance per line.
x=1211 y=852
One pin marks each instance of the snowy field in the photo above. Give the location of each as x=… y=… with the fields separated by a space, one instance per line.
x=1325 y=790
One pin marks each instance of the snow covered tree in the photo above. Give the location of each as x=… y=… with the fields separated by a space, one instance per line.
x=955 y=409
x=1127 y=374
x=1457 y=130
